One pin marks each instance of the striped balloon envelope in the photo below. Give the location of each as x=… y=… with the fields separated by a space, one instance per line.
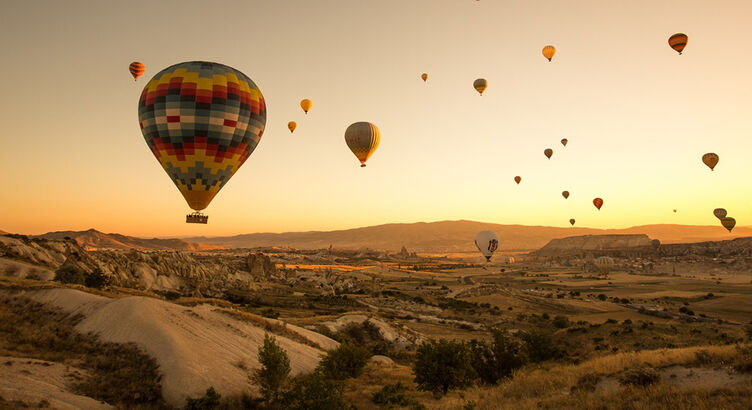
x=678 y=41
x=362 y=138
x=136 y=69
x=202 y=121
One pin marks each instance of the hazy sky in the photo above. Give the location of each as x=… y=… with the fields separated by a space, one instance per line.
x=638 y=116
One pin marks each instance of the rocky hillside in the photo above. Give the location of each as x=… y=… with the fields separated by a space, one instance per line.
x=457 y=236
x=740 y=247
x=95 y=240
x=599 y=244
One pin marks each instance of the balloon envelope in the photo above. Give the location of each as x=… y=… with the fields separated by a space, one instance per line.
x=678 y=41
x=604 y=264
x=571 y=221
x=710 y=159
x=548 y=152
x=517 y=180
x=564 y=141
x=363 y=138
x=136 y=69
x=480 y=85
x=306 y=105
x=424 y=76
x=598 y=202
x=548 y=52
x=202 y=121
x=728 y=223
x=291 y=126
x=487 y=243
x=565 y=194
x=719 y=213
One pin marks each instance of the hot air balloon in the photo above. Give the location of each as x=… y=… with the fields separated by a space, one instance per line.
x=306 y=105
x=678 y=41
x=565 y=194
x=548 y=152
x=719 y=213
x=363 y=138
x=291 y=126
x=136 y=69
x=571 y=221
x=598 y=203
x=424 y=76
x=517 y=179
x=480 y=85
x=487 y=243
x=728 y=223
x=564 y=141
x=674 y=210
x=604 y=264
x=202 y=121
x=710 y=159
x=548 y=52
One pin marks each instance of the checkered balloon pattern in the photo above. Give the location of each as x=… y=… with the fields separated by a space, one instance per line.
x=201 y=120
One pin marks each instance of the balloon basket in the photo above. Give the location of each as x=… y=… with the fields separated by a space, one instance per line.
x=196 y=218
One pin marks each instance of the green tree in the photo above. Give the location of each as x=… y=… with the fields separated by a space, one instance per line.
x=70 y=274
x=274 y=371
x=561 y=321
x=96 y=279
x=539 y=346
x=498 y=361
x=347 y=360
x=443 y=365
x=210 y=401
x=314 y=392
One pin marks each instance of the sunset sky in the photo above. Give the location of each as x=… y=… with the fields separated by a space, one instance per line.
x=638 y=116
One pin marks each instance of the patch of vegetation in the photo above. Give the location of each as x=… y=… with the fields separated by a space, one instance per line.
x=539 y=346
x=443 y=365
x=498 y=361
x=561 y=322
x=209 y=401
x=314 y=392
x=274 y=371
x=641 y=376
x=119 y=374
x=393 y=395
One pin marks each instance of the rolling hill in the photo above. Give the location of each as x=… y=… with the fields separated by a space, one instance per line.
x=457 y=236
x=95 y=240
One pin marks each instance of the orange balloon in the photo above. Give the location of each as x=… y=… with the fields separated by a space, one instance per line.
x=136 y=69
x=517 y=179
x=548 y=152
x=598 y=203
x=710 y=159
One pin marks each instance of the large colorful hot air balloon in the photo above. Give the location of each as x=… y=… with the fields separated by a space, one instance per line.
x=548 y=152
x=424 y=76
x=728 y=223
x=564 y=141
x=291 y=126
x=306 y=105
x=710 y=159
x=480 y=85
x=548 y=52
x=136 y=69
x=202 y=121
x=571 y=221
x=604 y=264
x=719 y=213
x=565 y=194
x=487 y=243
x=598 y=202
x=517 y=179
x=678 y=41
x=363 y=138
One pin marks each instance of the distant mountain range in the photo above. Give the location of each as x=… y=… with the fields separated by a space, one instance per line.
x=457 y=236
x=95 y=240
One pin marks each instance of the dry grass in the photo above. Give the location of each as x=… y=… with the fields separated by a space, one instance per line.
x=551 y=387
x=276 y=327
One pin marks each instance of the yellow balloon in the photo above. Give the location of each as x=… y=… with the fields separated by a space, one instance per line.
x=363 y=138
x=728 y=223
x=548 y=52
x=306 y=105
x=291 y=126
x=480 y=85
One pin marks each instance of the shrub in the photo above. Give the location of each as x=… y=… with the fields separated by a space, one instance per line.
x=70 y=274
x=274 y=371
x=210 y=401
x=539 y=346
x=602 y=297
x=347 y=360
x=743 y=362
x=314 y=392
x=96 y=279
x=392 y=395
x=443 y=365
x=270 y=313
x=498 y=361
x=641 y=376
x=587 y=382
x=561 y=322
x=367 y=335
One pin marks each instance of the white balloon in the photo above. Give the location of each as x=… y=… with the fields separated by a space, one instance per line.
x=487 y=243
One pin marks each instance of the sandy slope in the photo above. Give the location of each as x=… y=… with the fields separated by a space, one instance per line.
x=195 y=347
x=37 y=381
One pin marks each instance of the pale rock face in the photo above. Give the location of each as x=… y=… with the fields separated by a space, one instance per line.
x=592 y=243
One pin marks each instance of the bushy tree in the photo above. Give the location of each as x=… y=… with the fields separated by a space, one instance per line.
x=70 y=274
x=96 y=279
x=347 y=360
x=314 y=392
x=497 y=361
x=561 y=322
x=443 y=365
x=539 y=346
x=210 y=401
x=274 y=371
